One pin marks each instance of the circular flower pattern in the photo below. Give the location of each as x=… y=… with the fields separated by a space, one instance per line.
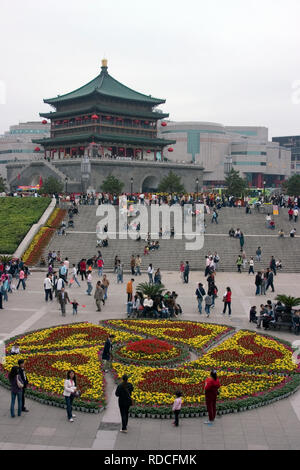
x=253 y=369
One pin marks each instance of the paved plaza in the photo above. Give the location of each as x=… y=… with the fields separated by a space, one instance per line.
x=276 y=426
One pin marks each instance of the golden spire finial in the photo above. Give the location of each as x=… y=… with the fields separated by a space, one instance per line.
x=104 y=62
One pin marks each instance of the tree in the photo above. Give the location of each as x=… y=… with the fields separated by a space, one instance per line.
x=112 y=185
x=288 y=301
x=236 y=186
x=171 y=184
x=51 y=186
x=2 y=185
x=292 y=185
x=150 y=289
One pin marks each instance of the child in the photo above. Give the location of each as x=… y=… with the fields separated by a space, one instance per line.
x=177 y=407
x=75 y=305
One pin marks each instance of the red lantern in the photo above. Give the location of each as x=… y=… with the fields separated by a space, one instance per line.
x=86 y=117
x=148 y=151
x=170 y=149
x=108 y=117
x=146 y=122
x=54 y=150
x=81 y=148
x=93 y=143
x=44 y=121
x=66 y=120
x=136 y=121
x=37 y=149
x=110 y=149
x=121 y=148
x=94 y=116
x=78 y=119
x=163 y=124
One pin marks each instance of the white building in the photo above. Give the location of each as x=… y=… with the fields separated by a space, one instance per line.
x=219 y=148
x=16 y=144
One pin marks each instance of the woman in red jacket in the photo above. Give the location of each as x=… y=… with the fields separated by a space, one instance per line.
x=211 y=388
x=227 y=301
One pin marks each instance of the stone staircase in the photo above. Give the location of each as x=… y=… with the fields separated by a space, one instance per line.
x=80 y=242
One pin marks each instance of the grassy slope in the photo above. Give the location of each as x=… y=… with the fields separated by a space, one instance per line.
x=17 y=215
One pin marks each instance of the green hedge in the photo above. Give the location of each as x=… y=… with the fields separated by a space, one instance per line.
x=17 y=215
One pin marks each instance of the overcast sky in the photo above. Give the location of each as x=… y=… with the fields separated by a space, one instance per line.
x=233 y=62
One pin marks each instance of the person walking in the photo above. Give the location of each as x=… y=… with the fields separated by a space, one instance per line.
x=270 y=280
x=48 y=285
x=63 y=299
x=239 y=263
x=208 y=302
x=132 y=265
x=120 y=270
x=98 y=296
x=251 y=266
x=129 y=290
x=70 y=389
x=186 y=272
x=242 y=241
x=105 y=284
x=273 y=265
x=258 y=283
x=157 y=277
x=74 y=277
x=258 y=254
x=16 y=390
x=227 y=301
x=123 y=392
x=21 y=279
x=211 y=390
x=138 y=263
x=177 y=407
x=100 y=264
x=264 y=277
x=82 y=266
x=150 y=273
x=200 y=293
x=24 y=380
x=89 y=284
x=181 y=270
x=107 y=352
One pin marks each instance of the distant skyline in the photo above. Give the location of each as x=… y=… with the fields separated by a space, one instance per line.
x=232 y=62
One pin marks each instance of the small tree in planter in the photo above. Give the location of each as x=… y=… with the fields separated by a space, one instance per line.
x=288 y=301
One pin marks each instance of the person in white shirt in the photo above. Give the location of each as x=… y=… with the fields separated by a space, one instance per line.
x=74 y=277
x=15 y=349
x=60 y=284
x=69 y=393
x=89 y=284
x=48 y=285
x=150 y=274
x=67 y=265
x=148 y=304
x=251 y=266
x=296 y=213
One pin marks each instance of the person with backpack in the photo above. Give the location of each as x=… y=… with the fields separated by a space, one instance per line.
x=200 y=293
x=208 y=302
x=123 y=392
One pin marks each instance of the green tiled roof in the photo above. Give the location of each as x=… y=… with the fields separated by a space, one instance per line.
x=118 y=139
x=106 y=85
x=104 y=109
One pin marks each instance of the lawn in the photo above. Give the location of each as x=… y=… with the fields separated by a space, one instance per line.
x=17 y=215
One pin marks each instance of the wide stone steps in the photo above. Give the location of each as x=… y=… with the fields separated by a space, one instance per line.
x=80 y=242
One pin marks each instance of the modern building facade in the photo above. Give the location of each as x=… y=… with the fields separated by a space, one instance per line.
x=16 y=144
x=291 y=143
x=107 y=119
x=219 y=148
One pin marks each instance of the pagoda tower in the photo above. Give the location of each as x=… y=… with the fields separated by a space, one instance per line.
x=104 y=118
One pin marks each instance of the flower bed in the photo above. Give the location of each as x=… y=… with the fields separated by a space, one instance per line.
x=151 y=352
x=42 y=239
x=253 y=369
x=198 y=336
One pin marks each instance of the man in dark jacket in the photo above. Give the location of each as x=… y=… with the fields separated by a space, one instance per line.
x=107 y=352
x=123 y=392
x=63 y=299
x=24 y=379
x=270 y=280
x=200 y=293
x=186 y=272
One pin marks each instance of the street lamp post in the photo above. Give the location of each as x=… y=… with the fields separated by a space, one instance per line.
x=131 y=186
x=264 y=189
x=66 y=180
x=197 y=183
